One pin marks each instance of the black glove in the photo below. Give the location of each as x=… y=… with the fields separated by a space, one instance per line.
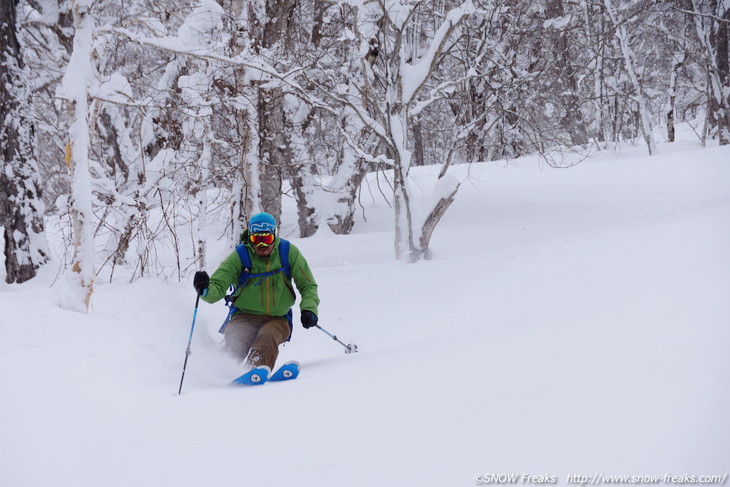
x=201 y=281
x=309 y=319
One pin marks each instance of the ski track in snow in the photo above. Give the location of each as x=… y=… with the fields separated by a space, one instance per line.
x=571 y=322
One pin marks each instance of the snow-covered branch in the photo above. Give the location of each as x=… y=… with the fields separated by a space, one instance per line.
x=174 y=45
x=415 y=75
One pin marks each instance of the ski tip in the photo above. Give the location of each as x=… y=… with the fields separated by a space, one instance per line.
x=288 y=371
x=254 y=377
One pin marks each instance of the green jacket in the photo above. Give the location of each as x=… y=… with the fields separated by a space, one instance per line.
x=275 y=295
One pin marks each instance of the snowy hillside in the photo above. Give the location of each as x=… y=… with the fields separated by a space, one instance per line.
x=572 y=321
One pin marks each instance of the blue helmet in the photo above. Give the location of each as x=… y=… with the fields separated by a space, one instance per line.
x=262 y=223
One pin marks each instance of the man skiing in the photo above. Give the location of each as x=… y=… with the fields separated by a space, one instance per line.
x=260 y=318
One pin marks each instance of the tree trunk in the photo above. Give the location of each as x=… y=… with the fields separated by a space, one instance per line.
x=405 y=244
x=302 y=186
x=301 y=168
x=418 y=149
x=21 y=210
x=723 y=70
x=201 y=195
x=713 y=37
x=631 y=70
x=676 y=66
x=433 y=218
x=246 y=186
x=274 y=149
x=76 y=82
x=246 y=183
x=273 y=145
x=572 y=122
x=342 y=222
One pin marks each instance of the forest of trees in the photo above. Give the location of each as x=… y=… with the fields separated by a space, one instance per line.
x=133 y=123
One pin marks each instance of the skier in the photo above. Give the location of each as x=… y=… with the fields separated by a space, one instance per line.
x=261 y=313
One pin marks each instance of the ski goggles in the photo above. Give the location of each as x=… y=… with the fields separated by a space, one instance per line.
x=262 y=239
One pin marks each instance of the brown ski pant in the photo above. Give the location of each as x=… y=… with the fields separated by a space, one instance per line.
x=257 y=337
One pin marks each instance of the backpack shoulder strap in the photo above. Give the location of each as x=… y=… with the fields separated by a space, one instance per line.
x=284 y=256
x=245 y=258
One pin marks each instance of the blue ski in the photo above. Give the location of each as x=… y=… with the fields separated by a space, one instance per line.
x=288 y=371
x=254 y=377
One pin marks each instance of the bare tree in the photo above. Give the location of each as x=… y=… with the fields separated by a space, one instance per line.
x=711 y=19
x=565 y=73
x=630 y=63
x=394 y=91
x=203 y=109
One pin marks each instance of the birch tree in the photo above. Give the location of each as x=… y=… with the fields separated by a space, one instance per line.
x=246 y=184
x=712 y=20
x=565 y=72
x=630 y=63
x=75 y=88
x=394 y=92
x=331 y=140
x=201 y=109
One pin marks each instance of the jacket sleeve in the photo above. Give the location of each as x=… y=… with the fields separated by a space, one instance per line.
x=225 y=275
x=304 y=279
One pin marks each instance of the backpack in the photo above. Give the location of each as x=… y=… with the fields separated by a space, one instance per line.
x=245 y=277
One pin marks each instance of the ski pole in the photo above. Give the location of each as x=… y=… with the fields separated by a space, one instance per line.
x=190 y=339
x=350 y=348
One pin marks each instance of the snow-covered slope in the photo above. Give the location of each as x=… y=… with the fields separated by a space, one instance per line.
x=571 y=321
